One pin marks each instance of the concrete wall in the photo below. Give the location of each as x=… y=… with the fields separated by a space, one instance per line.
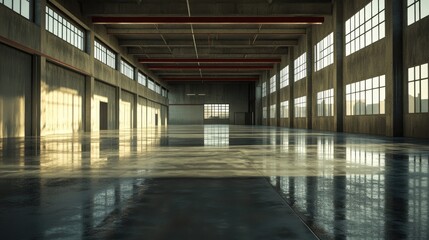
x=364 y=64
x=56 y=79
x=153 y=114
x=389 y=56
x=186 y=114
x=416 y=52
x=235 y=94
x=126 y=109
x=274 y=96
x=323 y=79
x=300 y=87
x=107 y=94
x=62 y=101
x=141 y=112
x=15 y=90
x=284 y=93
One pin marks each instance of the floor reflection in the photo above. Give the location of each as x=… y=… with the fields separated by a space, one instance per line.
x=389 y=203
x=343 y=186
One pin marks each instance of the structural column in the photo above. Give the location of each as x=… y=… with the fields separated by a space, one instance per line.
x=89 y=98
x=291 y=85
x=394 y=68
x=136 y=98
x=278 y=108
x=338 y=64
x=268 y=97
x=309 y=78
x=39 y=72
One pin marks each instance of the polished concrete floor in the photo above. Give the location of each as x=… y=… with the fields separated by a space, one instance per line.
x=214 y=182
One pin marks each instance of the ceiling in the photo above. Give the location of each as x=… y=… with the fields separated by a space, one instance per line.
x=207 y=40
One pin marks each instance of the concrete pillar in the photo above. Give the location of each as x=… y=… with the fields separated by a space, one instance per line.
x=339 y=45
x=136 y=97
x=39 y=73
x=394 y=68
x=89 y=83
x=118 y=106
x=268 y=98
x=39 y=12
x=258 y=102
x=309 y=78
x=118 y=91
x=89 y=98
x=278 y=94
x=291 y=85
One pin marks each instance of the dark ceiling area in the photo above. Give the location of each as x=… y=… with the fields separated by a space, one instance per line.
x=207 y=40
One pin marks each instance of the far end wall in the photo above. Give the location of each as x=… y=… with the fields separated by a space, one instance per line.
x=235 y=94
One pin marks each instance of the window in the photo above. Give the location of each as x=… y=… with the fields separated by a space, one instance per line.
x=127 y=69
x=300 y=67
x=324 y=52
x=284 y=77
x=264 y=112
x=284 y=109
x=151 y=84
x=216 y=111
x=264 y=89
x=141 y=78
x=64 y=29
x=416 y=10
x=273 y=111
x=366 y=97
x=164 y=92
x=300 y=107
x=325 y=103
x=20 y=6
x=157 y=89
x=418 y=89
x=104 y=55
x=365 y=27
x=273 y=84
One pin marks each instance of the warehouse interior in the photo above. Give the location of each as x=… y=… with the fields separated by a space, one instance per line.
x=216 y=119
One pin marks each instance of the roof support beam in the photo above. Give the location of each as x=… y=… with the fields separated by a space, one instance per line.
x=219 y=68
x=207 y=8
x=180 y=52
x=208 y=20
x=212 y=60
x=212 y=44
x=232 y=79
x=182 y=31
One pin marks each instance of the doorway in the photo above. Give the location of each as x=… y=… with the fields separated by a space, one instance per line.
x=156 y=119
x=103 y=115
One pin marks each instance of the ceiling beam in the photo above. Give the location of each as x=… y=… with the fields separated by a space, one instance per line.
x=207 y=8
x=212 y=43
x=229 y=79
x=180 y=52
x=207 y=73
x=206 y=31
x=215 y=67
x=208 y=20
x=211 y=60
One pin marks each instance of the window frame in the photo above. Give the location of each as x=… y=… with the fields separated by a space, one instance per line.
x=60 y=25
x=300 y=67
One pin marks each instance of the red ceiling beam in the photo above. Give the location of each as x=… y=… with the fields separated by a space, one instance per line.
x=211 y=60
x=219 y=79
x=210 y=67
x=208 y=20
